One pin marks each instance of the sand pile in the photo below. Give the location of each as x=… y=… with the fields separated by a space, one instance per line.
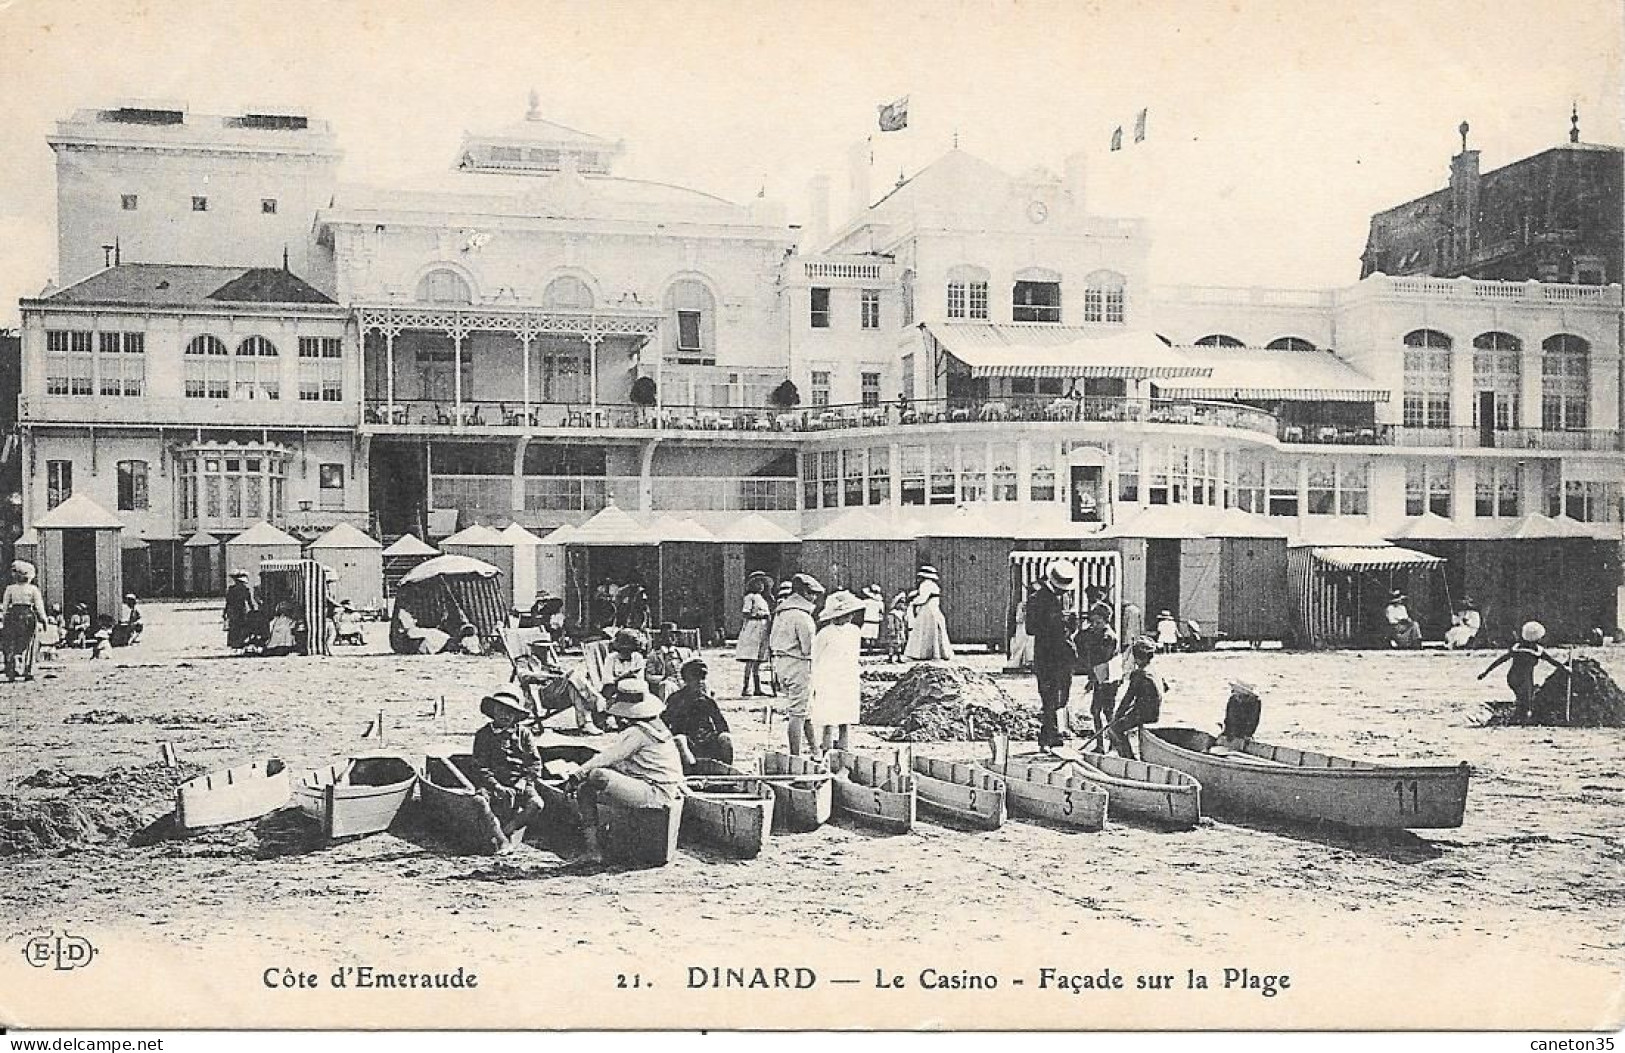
x=114 y=806
x=1593 y=701
x=945 y=702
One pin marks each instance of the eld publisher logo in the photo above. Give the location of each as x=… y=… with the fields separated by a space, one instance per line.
x=61 y=953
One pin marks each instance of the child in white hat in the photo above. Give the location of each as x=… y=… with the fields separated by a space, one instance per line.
x=1524 y=656
x=833 y=705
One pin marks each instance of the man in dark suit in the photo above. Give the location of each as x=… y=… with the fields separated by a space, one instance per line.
x=1049 y=622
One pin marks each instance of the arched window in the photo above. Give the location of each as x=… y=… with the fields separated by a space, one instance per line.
x=1427 y=379
x=1036 y=296
x=1103 y=297
x=1496 y=369
x=967 y=292
x=691 y=319
x=1565 y=383
x=444 y=286
x=256 y=371
x=1290 y=343
x=568 y=293
x=207 y=368
x=1219 y=340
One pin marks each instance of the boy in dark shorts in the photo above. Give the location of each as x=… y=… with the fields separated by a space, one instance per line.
x=1141 y=702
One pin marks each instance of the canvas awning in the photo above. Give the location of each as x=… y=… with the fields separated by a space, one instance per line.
x=410 y=545
x=756 y=529
x=260 y=535
x=1373 y=557
x=1262 y=374
x=612 y=526
x=989 y=349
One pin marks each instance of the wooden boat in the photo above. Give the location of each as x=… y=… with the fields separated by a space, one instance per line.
x=232 y=795
x=357 y=796
x=450 y=797
x=966 y=792
x=872 y=791
x=1265 y=780
x=802 y=805
x=728 y=808
x=1153 y=792
x=1051 y=790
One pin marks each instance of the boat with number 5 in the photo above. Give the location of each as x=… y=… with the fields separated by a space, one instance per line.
x=1277 y=781
x=872 y=791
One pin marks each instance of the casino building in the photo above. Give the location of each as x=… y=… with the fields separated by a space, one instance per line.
x=973 y=363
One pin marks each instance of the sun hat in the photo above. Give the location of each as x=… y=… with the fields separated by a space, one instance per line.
x=785 y=588
x=839 y=604
x=1165 y=614
x=1062 y=574
x=758 y=575
x=130 y=597
x=926 y=572
x=633 y=702
x=505 y=698
x=873 y=592
x=1144 y=647
x=1395 y=595
x=806 y=584
x=626 y=640
x=1533 y=632
x=243 y=574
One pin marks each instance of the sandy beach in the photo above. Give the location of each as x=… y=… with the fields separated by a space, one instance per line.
x=1524 y=896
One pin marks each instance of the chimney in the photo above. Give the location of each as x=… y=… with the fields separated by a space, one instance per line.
x=859 y=193
x=817 y=211
x=1077 y=178
x=1463 y=201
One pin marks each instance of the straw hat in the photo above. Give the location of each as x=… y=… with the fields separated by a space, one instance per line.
x=1165 y=614
x=626 y=640
x=873 y=592
x=1533 y=632
x=23 y=569
x=926 y=572
x=503 y=698
x=758 y=575
x=1396 y=596
x=785 y=588
x=839 y=605
x=239 y=575
x=1143 y=648
x=1061 y=574
x=807 y=585
x=633 y=701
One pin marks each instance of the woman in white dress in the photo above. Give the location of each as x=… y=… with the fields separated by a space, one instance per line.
x=751 y=648
x=835 y=693
x=1021 y=641
x=874 y=612
x=927 y=632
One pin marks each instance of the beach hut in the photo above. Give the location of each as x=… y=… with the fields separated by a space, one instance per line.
x=80 y=557
x=258 y=543
x=1338 y=592
x=858 y=547
x=1252 y=576
x=970 y=547
x=691 y=590
x=487 y=545
x=404 y=553
x=203 y=565
x=550 y=559
x=751 y=542
x=357 y=562
x=136 y=556
x=302 y=583
x=526 y=554
x=612 y=547
x=442 y=592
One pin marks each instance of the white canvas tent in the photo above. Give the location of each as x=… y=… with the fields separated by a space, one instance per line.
x=357 y=562
x=258 y=543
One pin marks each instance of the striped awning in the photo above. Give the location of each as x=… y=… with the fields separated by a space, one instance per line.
x=987 y=349
x=1267 y=375
x=1384 y=557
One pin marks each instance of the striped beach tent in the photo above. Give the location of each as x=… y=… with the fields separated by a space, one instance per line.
x=1102 y=570
x=1339 y=590
x=447 y=590
x=300 y=582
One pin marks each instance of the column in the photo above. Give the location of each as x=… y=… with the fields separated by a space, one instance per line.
x=524 y=346
x=516 y=501
x=1461 y=386
x=593 y=340
x=389 y=370
x=895 y=453
x=1530 y=384
x=457 y=377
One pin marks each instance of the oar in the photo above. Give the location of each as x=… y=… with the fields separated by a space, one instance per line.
x=776 y=780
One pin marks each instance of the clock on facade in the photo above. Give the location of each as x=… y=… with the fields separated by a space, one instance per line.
x=1038 y=212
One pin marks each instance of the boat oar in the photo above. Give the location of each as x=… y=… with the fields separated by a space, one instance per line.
x=774 y=780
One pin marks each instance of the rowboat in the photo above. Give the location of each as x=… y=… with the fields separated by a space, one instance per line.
x=450 y=797
x=358 y=795
x=728 y=808
x=1153 y=792
x=801 y=806
x=961 y=791
x=872 y=791
x=1261 y=779
x=1053 y=791
x=232 y=795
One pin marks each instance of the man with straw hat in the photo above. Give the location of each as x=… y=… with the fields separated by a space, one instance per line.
x=791 y=642
x=1053 y=653
x=507 y=764
x=639 y=768
x=835 y=690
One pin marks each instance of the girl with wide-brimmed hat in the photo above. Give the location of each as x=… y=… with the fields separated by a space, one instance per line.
x=751 y=649
x=833 y=701
x=24 y=607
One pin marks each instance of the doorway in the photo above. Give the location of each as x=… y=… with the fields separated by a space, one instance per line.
x=398 y=488
x=79 y=571
x=1161 y=577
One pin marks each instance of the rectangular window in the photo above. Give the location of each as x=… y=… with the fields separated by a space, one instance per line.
x=1353 y=497
x=942 y=475
x=268 y=206
x=871 y=308
x=200 y=203
x=809 y=481
x=912 y=475
x=331 y=486
x=1250 y=486
x=1114 y=305
x=829 y=478
x=871 y=389
x=1281 y=479
x=880 y=475
x=820 y=307
x=1128 y=474
x=1156 y=459
x=820 y=387
x=1179 y=470
x=58 y=482
x=956 y=299
x=852 y=477
x=129 y=202
x=688 y=331
x=1495 y=490
x=1004 y=471
x=1041 y=476
x=978 y=300
x=973 y=473
x=321 y=369
x=1322 y=489
x=1036 y=302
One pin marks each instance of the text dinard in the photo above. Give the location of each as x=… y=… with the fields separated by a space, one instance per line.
x=1047 y=978
x=366 y=978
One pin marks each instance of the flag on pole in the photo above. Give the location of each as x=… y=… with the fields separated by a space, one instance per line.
x=1117 y=138
x=894 y=115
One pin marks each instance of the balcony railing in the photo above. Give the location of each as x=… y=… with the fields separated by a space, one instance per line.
x=724 y=494
x=300 y=522
x=1338 y=434
x=1512 y=439
x=493 y=494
